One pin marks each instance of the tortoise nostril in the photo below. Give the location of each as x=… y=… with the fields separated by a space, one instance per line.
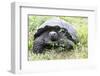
x=54 y=34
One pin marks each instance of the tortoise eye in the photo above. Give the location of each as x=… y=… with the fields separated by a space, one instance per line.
x=62 y=30
x=57 y=27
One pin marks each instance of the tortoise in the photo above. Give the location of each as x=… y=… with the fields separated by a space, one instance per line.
x=55 y=32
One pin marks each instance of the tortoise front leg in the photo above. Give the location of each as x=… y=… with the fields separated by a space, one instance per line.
x=38 y=46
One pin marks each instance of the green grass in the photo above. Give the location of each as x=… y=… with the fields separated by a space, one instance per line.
x=80 y=50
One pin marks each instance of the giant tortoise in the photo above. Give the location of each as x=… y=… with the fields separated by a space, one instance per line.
x=55 y=32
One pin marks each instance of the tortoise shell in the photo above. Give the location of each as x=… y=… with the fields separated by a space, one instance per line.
x=57 y=24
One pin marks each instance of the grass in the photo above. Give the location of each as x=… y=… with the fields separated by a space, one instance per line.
x=80 y=50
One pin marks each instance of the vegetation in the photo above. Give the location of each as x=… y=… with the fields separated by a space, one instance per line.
x=80 y=51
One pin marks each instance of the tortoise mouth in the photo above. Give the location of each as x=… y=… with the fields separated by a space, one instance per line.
x=53 y=36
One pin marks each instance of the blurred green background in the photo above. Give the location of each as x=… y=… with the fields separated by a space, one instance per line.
x=79 y=52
